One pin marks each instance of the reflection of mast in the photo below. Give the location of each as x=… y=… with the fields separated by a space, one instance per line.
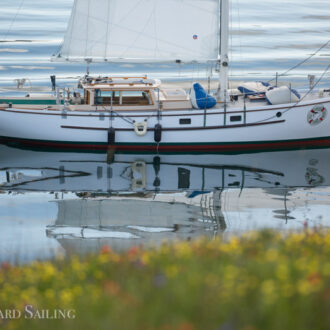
x=211 y=209
x=217 y=210
x=284 y=193
x=110 y=160
x=286 y=207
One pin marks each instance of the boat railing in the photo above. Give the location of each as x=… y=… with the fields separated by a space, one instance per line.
x=159 y=108
x=61 y=100
x=114 y=81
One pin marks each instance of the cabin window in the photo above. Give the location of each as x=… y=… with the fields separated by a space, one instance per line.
x=102 y=97
x=185 y=121
x=122 y=98
x=235 y=118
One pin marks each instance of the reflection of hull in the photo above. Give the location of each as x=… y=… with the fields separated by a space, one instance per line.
x=119 y=241
x=109 y=212
x=51 y=171
x=90 y=239
x=84 y=225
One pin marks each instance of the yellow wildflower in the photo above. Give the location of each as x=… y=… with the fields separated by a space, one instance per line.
x=66 y=297
x=48 y=271
x=171 y=271
x=268 y=288
x=304 y=287
x=50 y=294
x=271 y=255
x=77 y=290
x=282 y=272
x=98 y=274
x=183 y=250
x=145 y=258
x=103 y=258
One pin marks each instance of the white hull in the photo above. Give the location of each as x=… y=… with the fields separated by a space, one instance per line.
x=285 y=126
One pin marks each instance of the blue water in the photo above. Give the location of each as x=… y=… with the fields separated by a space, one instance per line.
x=266 y=37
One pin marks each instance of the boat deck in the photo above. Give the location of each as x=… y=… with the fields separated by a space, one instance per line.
x=167 y=105
x=103 y=94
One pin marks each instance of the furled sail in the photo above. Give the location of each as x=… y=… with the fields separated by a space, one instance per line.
x=143 y=31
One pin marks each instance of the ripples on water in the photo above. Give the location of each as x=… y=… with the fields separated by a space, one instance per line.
x=73 y=203
x=267 y=37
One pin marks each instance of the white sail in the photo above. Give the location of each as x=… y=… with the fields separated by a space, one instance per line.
x=143 y=30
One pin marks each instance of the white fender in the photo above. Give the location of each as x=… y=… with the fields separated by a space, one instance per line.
x=281 y=95
x=140 y=128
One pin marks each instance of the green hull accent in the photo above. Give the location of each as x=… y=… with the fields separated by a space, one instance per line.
x=29 y=101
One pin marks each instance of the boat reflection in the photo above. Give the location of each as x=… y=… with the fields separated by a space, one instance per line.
x=85 y=225
x=144 y=199
x=26 y=170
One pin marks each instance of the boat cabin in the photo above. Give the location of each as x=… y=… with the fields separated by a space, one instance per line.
x=122 y=93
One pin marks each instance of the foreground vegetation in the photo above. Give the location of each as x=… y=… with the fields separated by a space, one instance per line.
x=263 y=280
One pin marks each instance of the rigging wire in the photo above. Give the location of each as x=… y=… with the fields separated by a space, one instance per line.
x=13 y=20
x=309 y=92
x=198 y=72
x=241 y=58
x=230 y=70
x=315 y=85
x=127 y=119
x=302 y=62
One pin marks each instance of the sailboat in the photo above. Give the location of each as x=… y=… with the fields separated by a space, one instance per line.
x=141 y=115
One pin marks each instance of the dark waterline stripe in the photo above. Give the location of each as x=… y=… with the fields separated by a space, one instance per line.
x=230 y=147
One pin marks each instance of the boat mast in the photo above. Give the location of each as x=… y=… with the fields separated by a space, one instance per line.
x=223 y=49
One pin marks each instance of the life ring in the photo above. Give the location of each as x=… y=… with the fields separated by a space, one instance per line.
x=317 y=115
x=141 y=128
x=312 y=177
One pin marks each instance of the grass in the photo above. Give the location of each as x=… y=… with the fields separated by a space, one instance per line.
x=262 y=280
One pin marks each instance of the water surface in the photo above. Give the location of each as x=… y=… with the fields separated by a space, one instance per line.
x=64 y=202
x=266 y=37
x=53 y=202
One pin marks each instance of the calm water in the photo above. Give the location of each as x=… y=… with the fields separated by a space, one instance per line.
x=74 y=202
x=266 y=37
x=53 y=202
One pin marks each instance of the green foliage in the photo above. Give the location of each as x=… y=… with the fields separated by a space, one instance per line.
x=261 y=280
